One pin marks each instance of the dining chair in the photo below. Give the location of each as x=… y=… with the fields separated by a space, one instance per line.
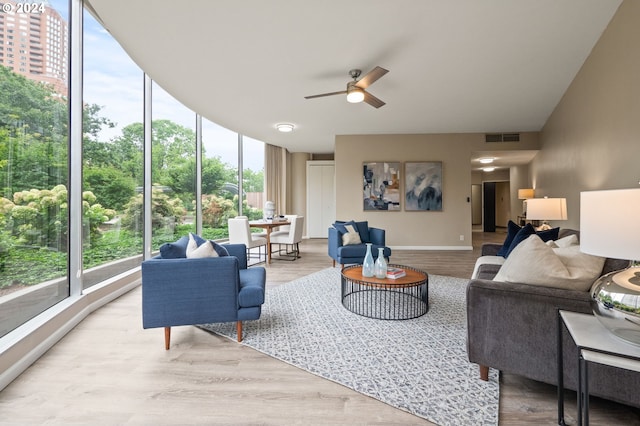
x=240 y=233
x=290 y=238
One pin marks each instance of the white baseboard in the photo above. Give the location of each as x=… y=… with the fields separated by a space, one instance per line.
x=431 y=247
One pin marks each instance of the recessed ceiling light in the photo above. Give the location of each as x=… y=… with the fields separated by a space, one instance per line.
x=284 y=127
x=489 y=169
x=486 y=160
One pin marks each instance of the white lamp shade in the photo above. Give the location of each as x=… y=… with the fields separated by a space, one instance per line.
x=547 y=209
x=525 y=193
x=610 y=223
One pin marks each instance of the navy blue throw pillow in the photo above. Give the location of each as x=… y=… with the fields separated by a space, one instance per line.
x=176 y=250
x=524 y=233
x=220 y=249
x=549 y=234
x=199 y=240
x=363 y=230
x=342 y=226
x=512 y=230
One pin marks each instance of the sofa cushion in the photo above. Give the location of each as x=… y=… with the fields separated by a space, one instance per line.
x=363 y=230
x=568 y=241
x=361 y=227
x=197 y=252
x=219 y=248
x=360 y=250
x=524 y=233
x=342 y=226
x=534 y=262
x=548 y=234
x=351 y=237
x=516 y=234
x=175 y=250
x=512 y=230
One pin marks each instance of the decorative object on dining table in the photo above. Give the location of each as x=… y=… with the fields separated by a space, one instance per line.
x=269 y=210
x=609 y=227
x=381 y=186
x=423 y=186
x=381 y=264
x=368 y=267
x=546 y=209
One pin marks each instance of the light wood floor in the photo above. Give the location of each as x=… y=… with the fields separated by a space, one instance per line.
x=108 y=370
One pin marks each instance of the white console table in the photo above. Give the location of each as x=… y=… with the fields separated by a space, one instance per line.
x=597 y=345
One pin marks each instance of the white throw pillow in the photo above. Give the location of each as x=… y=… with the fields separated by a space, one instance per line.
x=195 y=252
x=569 y=240
x=534 y=262
x=351 y=237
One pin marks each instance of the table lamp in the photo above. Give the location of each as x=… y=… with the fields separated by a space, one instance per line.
x=610 y=227
x=546 y=209
x=524 y=194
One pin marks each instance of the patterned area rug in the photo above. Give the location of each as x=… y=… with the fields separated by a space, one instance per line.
x=418 y=365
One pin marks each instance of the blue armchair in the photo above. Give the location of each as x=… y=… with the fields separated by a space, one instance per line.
x=181 y=291
x=354 y=253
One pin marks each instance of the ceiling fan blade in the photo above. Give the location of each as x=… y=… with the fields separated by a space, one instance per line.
x=342 y=92
x=371 y=77
x=372 y=100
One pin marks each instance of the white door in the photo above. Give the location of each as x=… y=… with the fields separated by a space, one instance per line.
x=321 y=198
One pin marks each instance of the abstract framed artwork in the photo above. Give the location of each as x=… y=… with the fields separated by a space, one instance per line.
x=381 y=186
x=423 y=186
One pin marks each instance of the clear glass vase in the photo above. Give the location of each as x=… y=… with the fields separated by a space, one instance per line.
x=368 y=269
x=381 y=264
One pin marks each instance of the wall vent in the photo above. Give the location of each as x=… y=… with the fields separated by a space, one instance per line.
x=502 y=137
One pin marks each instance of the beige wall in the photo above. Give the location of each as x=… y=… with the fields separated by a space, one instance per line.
x=592 y=139
x=429 y=230
x=519 y=179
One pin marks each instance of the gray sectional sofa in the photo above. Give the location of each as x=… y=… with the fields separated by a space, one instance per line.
x=512 y=327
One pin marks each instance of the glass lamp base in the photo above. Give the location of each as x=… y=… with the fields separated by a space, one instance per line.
x=615 y=300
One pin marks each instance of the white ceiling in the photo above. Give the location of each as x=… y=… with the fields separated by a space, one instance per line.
x=455 y=66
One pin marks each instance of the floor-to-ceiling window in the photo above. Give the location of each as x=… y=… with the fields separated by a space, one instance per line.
x=253 y=177
x=112 y=156
x=33 y=162
x=173 y=168
x=219 y=179
x=38 y=208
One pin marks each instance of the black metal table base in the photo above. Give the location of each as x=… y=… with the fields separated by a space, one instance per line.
x=386 y=302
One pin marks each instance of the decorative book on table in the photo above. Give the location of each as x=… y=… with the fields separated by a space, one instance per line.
x=394 y=273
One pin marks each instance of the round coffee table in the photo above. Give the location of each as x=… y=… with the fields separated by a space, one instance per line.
x=385 y=298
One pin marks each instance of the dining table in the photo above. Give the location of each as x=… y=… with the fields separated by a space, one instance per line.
x=268 y=225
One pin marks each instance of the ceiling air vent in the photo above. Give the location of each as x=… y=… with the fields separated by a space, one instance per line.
x=502 y=137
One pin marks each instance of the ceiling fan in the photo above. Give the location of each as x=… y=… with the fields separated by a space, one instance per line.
x=356 y=89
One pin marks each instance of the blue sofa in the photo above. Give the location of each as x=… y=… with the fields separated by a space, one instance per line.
x=181 y=291
x=354 y=253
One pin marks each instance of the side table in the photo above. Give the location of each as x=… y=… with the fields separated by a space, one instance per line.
x=597 y=345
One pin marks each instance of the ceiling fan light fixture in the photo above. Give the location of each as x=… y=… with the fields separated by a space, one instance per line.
x=285 y=127
x=355 y=94
x=486 y=160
